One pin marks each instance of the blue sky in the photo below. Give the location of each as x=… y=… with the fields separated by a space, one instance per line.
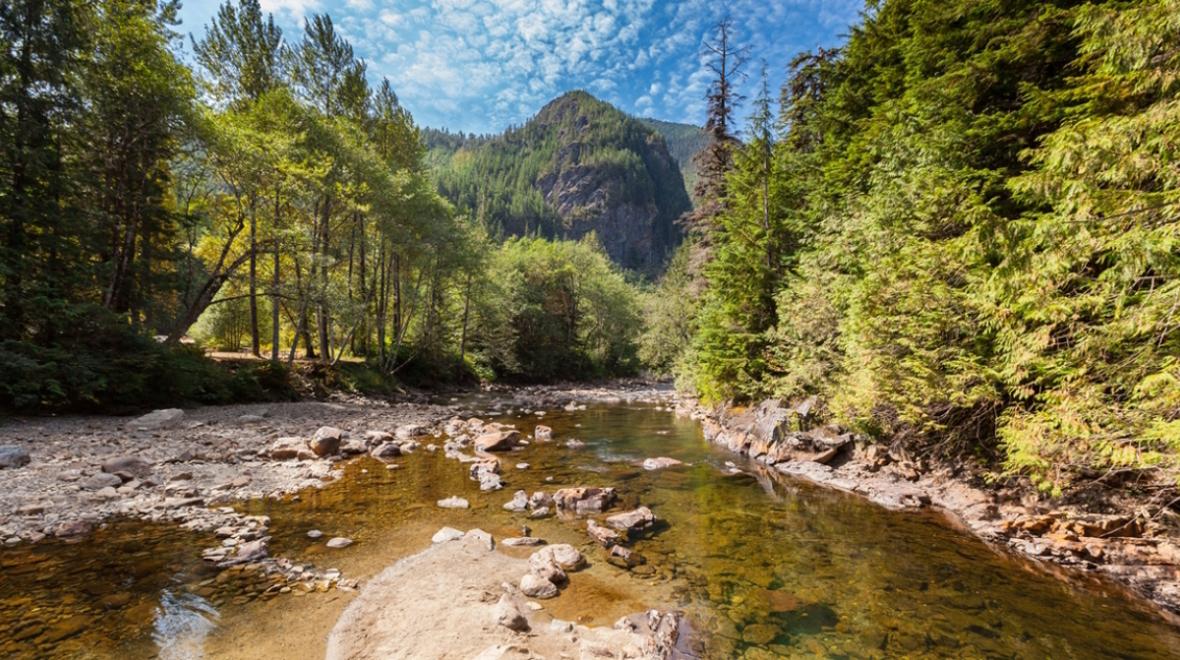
x=480 y=65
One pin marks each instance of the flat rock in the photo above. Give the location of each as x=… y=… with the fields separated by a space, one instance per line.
x=522 y=541
x=290 y=448
x=564 y=555
x=660 y=463
x=157 y=419
x=632 y=522
x=100 y=481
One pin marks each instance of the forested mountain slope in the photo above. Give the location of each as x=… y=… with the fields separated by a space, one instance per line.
x=579 y=166
x=685 y=141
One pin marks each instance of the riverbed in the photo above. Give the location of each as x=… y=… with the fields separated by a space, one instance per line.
x=764 y=566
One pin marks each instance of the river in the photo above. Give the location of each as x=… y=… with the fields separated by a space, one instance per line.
x=763 y=565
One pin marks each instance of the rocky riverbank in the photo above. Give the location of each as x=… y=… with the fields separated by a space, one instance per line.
x=1120 y=542
x=464 y=598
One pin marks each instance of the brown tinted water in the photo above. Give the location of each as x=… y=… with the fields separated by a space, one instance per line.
x=766 y=567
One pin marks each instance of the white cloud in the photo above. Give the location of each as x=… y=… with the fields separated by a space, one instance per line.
x=296 y=8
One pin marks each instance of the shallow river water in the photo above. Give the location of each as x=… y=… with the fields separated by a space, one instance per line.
x=765 y=566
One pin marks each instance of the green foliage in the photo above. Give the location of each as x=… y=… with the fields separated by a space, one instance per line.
x=559 y=310
x=974 y=240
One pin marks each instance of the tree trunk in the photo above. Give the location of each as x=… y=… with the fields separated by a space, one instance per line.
x=255 y=340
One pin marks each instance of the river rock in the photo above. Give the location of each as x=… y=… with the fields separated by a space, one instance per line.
x=338 y=542
x=453 y=503
x=660 y=463
x=585 y=500
x=375 y=438
x=12 y=456
x=624 y=557
x=127 y=467
x=542 y=433
x=519 y=502
x=632 y=522
x=314 y=534
x=540 y=499
x=100 y=481
x=480 y=538
x=507 y=614
x=410 y=431
x=563 y=555
x=157 y=419
x=446 y=534
x=536 y=586
x=522 y=541
x=353 y=447
x=604 y=536
x=487 y=473
x=386 y=450
x=326 y=441
x=502 y=440
x=574 y=443
x=288 y=448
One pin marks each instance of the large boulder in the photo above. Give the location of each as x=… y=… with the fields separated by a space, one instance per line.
x=127 y=467
x=12 y=456
x=583 y=500
x=289 y=448
x=326 y=441
x=499 y=440
x=157 y=419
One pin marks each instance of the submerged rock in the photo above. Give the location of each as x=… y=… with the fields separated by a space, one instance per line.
x=453 y=503
x=660 y=463
x=338 y=543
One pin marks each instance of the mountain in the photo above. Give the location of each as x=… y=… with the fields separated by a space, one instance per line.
x=684 y=141
x=579 y=166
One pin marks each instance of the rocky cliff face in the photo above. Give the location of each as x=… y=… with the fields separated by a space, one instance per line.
x=580 y=166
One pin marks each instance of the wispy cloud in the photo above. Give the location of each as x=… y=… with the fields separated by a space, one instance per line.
x=479 y=65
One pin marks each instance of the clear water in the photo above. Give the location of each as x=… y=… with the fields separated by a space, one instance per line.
x=765 y=566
